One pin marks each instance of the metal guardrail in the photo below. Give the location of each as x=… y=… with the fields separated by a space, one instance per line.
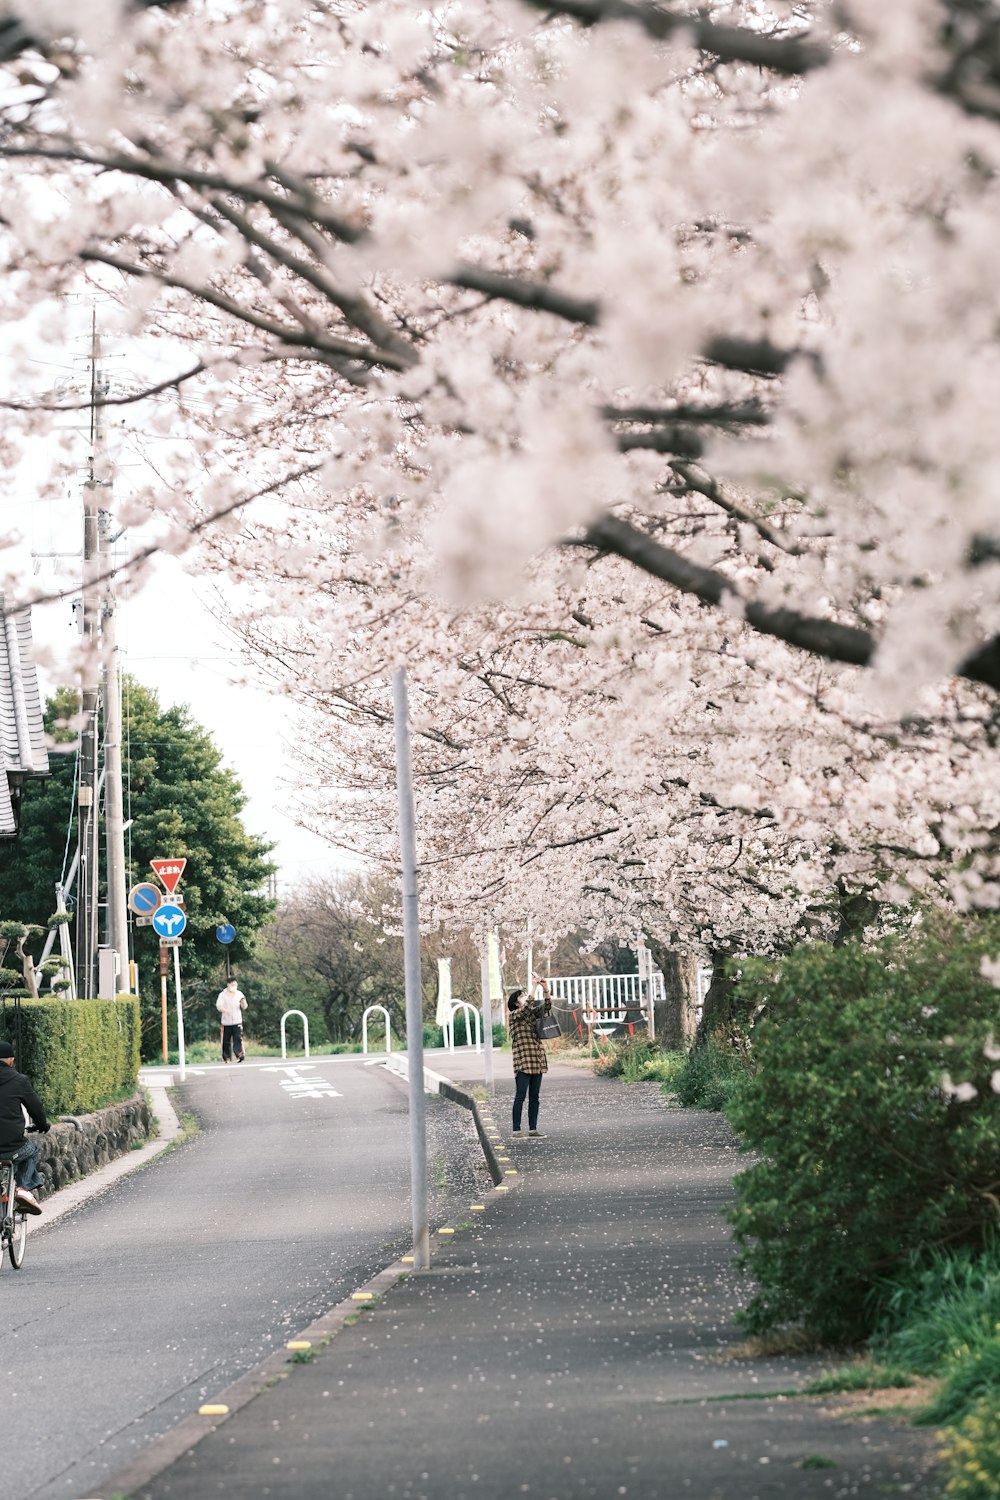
x=435 y=1083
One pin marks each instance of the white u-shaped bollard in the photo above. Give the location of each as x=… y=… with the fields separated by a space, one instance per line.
x=305 y=1030
x=364 y=1028
x=469 y=1009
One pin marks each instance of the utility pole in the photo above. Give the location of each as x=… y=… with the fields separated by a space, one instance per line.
x=101 y=679
x=89 y=875
x=114 y=814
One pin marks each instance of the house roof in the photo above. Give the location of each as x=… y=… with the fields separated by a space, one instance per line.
x=22 y=733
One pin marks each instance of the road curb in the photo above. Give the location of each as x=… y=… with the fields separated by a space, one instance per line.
x=190 y=1430
x=278 y=1365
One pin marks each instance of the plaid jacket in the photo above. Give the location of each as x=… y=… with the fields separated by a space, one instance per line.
x=529 y=1053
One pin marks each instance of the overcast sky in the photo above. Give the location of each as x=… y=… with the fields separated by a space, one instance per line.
x=169 y=638
x=172 y=643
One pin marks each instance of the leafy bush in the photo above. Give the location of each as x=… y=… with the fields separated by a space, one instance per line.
x=972 y=1453
x=712 y=1073
x=79 y=1054
x=866 y=1156
x=634 y=1058
x=434 y=1035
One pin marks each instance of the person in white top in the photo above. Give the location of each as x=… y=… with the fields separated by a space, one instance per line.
x=231 y=1004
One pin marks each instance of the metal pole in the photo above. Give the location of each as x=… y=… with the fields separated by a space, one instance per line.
x=87 y=795
x=180 y=1010
x=411 y=966
x=164 y=961
x=484 y=977
x=113 y=804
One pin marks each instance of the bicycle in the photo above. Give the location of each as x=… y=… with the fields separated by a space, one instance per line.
x=14 y=1220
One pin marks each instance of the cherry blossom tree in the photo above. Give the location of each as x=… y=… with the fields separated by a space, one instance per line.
x=627 y=369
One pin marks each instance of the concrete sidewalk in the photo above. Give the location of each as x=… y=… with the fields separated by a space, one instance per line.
x=569 y=1340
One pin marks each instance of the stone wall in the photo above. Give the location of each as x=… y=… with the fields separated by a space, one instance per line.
x=78 y=1144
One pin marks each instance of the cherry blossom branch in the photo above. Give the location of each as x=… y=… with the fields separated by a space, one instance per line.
x=711 y=490
x=122 y=570
x=173 y=383
x=167 y=173
x=792 y=55
x=826 y=638
x=318 y=343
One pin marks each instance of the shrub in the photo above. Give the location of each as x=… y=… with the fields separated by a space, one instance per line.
x=866 y=1157
x=79 y=1054
x=713 y=1073
x=629 y=1059
x=434 y=1035
x=972 y=1453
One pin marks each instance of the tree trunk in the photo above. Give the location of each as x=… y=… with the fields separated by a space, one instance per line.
x=28 y=970
x=856 y=910
x=718 y=1010
x=676 y=1018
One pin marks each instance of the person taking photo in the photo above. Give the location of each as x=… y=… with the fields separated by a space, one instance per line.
x=530 y=1061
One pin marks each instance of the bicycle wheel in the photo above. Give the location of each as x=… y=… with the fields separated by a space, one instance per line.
x=18 y=1240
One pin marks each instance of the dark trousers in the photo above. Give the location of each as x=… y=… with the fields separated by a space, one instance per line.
x=530 y=1084
x=232 y=1042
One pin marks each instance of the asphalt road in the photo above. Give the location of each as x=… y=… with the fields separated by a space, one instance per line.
x=175 y=1280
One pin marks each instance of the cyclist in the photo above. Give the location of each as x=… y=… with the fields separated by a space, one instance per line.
x=16 y=1096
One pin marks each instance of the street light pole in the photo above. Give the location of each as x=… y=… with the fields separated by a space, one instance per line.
x=411 y=969
x=484 y=976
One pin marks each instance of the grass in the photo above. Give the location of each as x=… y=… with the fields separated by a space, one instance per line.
x=946 y=1303
x=864 y=1375
x=190 y=1127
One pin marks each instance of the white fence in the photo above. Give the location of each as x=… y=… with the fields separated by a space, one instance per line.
x=598 y=1004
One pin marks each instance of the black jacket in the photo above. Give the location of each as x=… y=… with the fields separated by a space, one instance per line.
x=15 y=1090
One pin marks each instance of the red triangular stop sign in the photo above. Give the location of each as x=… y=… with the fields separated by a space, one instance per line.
x=169 y=871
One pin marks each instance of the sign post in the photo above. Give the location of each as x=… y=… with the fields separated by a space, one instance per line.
x=164 y=961
x=169 y=922
x=180 y=1010
x=226 y=933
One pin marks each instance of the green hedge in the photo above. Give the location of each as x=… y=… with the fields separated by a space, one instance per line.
x=865 y=1156
x=79 y=1054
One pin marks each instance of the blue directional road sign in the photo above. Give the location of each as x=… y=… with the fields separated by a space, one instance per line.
x=169 y=921
x=144 y=898
x=226 y=933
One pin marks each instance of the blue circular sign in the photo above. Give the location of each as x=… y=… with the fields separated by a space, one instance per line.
x=144 y=898
x=169 y=920
x=225 y=933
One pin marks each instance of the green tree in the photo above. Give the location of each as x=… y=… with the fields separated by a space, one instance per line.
x=183 y=802
x=336 y=931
